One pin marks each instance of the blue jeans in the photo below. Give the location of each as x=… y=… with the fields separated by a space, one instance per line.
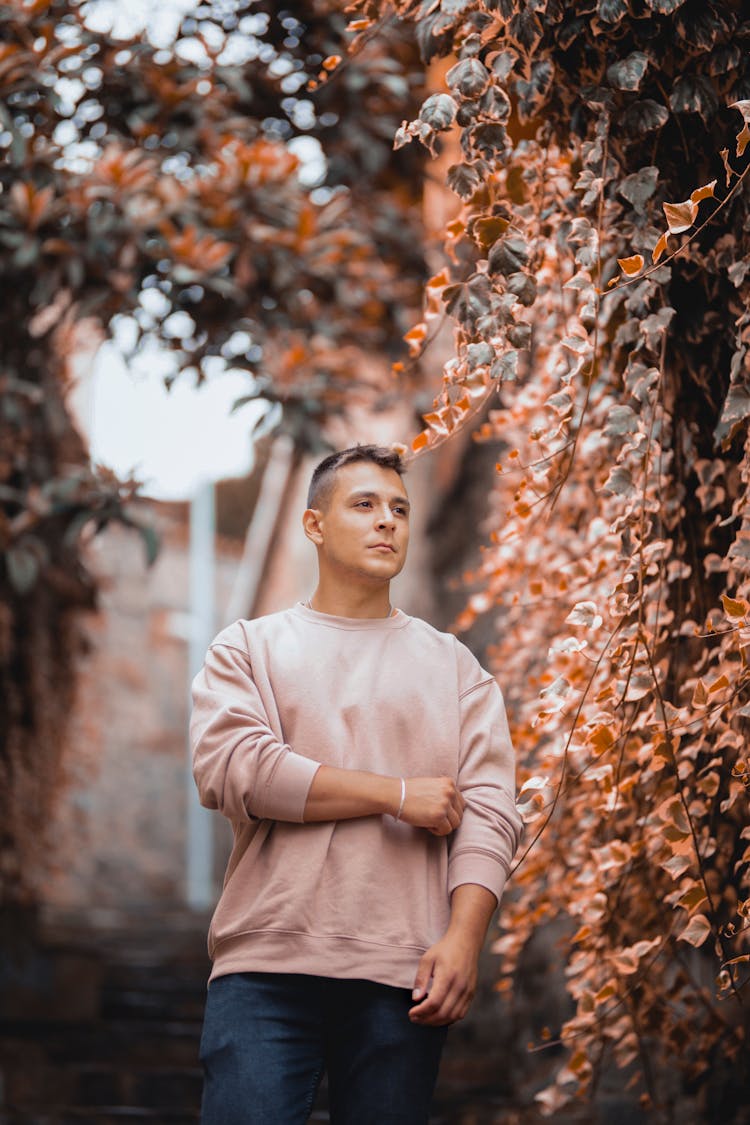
x=268 y=1037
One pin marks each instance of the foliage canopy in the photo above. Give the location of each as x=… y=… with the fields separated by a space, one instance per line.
x=598 y=279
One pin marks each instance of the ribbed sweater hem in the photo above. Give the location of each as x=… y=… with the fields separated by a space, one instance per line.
x=326 y=955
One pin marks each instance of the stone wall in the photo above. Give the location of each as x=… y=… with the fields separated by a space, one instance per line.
x=118 y=840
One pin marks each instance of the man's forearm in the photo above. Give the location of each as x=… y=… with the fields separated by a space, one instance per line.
x=337 y=794
x=472 y=907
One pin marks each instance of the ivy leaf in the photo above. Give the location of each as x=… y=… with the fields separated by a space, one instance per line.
x=639 y=186
x=644 y=116
x=505 y=367
x=660 y=248
x=694 y=95
x=486 y=231
x=681 y=216
x=525 y=28
x=612 y=11
x=523 y=285
x=508 y=255
x=533 y=94
x=631 y=267
x=621 y=420
x=743 y=137
x=464 y=179
x=735 y=608
x=469 y=77
x=619 y=481
x=703 y=26
x=664 y=7
x=432 y=38
x=627 y=73
x=479 y=355
x=696 y=931
x=736 y=409
x=439 y=112
x=585 y=613
x=503 y=64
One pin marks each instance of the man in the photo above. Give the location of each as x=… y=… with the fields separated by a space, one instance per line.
x=364 y=761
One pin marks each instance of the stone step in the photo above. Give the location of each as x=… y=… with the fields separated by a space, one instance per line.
x=155 y=1004
x=100 y=1115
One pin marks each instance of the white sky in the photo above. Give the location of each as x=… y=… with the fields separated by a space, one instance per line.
x=172 y=440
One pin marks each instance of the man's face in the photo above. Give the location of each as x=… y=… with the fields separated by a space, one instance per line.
x=364 y=528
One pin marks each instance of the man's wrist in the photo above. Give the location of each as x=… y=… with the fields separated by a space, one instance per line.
x=389 y=794
x=472 y=907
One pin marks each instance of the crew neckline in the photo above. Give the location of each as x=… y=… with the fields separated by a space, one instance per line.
x=395 y=620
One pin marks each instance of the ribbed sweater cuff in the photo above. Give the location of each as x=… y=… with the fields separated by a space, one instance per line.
x=286 y=791
x=477 y=867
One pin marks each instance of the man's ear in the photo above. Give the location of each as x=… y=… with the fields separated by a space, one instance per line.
x=311 y=524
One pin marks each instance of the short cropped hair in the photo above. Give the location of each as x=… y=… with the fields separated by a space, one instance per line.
x=324 y=475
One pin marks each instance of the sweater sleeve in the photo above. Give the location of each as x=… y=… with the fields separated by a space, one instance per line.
x=240 y=767
x=483 y=845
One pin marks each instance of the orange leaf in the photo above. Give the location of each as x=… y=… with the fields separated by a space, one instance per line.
x=331 y=62
x=680 y=216
x=693 y=898
x=743 y=137
x=414 y=338
x=696 y=931
x=734 y=607
x=660 y=248
x=420 y=441
x=700 y=695
x=631 y=266
x=440 y=280
x=705 y=192
x=437 y=420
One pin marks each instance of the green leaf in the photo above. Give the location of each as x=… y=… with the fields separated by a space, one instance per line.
x=612 y=11
x=645 y=116
x=694 y=95
x=469 y=77
x=664 y=7
x=464 y=179
x=639 y=186
x=508 y=256
x=22 y=565
x=151 y=541
x=627 y=73
x=621 y=420
x=439 y=112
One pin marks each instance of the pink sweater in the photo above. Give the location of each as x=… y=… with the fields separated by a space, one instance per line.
x=362 y=898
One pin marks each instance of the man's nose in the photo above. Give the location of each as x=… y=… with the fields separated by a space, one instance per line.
x=386 y=518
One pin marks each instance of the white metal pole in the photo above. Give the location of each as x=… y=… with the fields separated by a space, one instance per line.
x=200 y=852
x=259 y=534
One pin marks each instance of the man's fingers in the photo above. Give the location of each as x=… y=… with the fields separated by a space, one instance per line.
x=441 y=1012
x=434 y=1002
x=422 y=979
x=453 y=1008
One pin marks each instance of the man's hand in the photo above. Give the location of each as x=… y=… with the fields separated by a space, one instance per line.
x=449 y=971
x=433 y=803
x=446 y=977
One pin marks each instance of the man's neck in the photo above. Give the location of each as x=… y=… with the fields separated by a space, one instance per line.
x=352 y=603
